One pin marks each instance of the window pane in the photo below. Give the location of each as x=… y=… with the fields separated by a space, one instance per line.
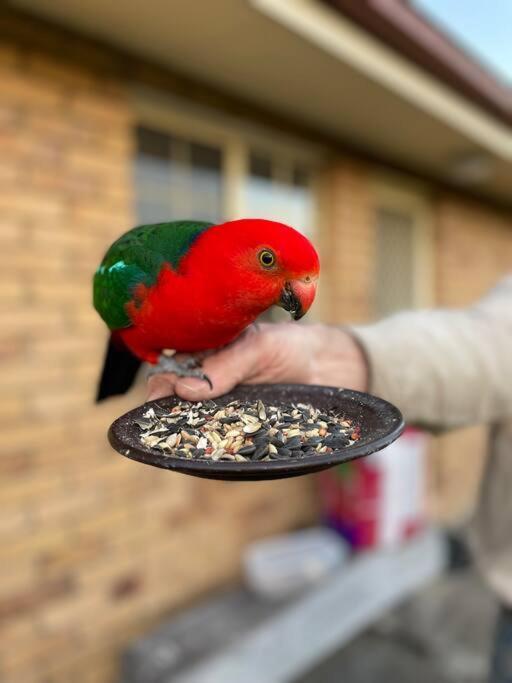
x=300 y=176
x=394 y=276
x=153 y=143
x=267 y=195
x=206 y=181
x=280 y=193
x=177 y=179
x=260 y=165
x=206 y=158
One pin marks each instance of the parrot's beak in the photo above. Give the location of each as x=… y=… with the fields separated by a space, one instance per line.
x=297 y=297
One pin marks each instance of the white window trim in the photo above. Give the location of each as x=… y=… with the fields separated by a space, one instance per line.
x=401 y=195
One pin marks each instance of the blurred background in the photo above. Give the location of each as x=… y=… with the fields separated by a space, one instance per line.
x=380 y=129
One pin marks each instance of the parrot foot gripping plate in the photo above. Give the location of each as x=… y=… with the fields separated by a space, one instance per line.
x=188 y=367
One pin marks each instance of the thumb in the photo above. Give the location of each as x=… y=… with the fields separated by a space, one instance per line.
x=160 y=385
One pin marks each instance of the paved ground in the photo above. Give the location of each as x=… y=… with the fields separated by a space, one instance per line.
x=442 y=635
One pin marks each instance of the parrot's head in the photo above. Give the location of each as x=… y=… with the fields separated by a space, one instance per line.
x=265 y=263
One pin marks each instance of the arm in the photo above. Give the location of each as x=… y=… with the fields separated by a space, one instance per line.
x=445 y=368
x=442 y=368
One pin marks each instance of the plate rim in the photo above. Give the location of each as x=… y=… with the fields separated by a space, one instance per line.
x=267 y=468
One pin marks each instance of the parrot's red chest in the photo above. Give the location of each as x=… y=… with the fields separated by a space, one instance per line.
x=182 y=313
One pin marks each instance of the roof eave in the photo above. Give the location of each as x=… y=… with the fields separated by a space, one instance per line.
x=406 y=31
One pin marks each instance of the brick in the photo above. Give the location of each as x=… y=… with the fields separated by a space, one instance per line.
x=57 y=72
x=15 y=520
x=92 y=160
x=21 y=88
x=32 y=205
x=23 y=376
x=16 y=436
x=11 y=233
x=102 y=112
x=11 y=408
x=24 y=490
x=26 y=601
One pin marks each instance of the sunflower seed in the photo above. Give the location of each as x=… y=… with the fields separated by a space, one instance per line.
x=250 y=419
x=293 y=443
x=247 y=450
x=172 y=440
x=284 y=452
x=251 y=428
x=260 y=452
x=261 y=411
x=337 y=442
x=143 y=424
x=231 y=419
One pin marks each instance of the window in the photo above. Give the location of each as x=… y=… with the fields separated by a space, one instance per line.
x=279 y=189
x=394 y=284
x=177 y=178
x=403 y=263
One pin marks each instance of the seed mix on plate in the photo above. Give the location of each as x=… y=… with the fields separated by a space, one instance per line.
x=244 y=431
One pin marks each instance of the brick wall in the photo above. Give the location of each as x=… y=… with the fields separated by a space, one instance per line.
x=348 y=243
x=93 y=548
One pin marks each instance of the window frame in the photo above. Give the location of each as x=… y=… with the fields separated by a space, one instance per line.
x=235 y=138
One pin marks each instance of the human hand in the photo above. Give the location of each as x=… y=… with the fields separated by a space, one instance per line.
x=274 y=353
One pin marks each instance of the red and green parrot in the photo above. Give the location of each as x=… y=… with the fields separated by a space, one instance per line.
x=189 y=286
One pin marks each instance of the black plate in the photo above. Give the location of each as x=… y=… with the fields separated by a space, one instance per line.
x=381 y=423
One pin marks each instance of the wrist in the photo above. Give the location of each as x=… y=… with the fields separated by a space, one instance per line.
x=339 y=359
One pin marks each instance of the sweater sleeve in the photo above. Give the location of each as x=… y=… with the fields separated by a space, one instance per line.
x=445 y=368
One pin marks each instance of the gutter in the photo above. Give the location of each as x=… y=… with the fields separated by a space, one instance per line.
x=342 y=39
x=410 y=34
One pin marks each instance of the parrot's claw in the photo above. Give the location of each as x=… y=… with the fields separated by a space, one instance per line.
x=191 y=363
x=189 y=367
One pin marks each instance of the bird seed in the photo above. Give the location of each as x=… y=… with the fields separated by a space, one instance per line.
x=245 y=431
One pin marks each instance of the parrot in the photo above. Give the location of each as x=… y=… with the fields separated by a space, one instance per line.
x=191 y=287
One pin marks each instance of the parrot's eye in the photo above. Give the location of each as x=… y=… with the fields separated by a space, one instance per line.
x=267 y=258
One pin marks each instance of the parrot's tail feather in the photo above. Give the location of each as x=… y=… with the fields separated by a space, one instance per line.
x=119 y=370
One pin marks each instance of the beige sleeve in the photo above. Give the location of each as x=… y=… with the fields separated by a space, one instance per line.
x=445 y=368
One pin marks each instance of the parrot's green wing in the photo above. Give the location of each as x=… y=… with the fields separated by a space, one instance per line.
x=137 y=257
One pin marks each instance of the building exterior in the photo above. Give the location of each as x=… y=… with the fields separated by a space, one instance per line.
x=393 y=154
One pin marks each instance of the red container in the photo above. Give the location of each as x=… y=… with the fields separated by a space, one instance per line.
x=378 y=501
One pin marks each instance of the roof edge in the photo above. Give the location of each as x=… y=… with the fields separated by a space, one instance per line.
x=408 y=32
